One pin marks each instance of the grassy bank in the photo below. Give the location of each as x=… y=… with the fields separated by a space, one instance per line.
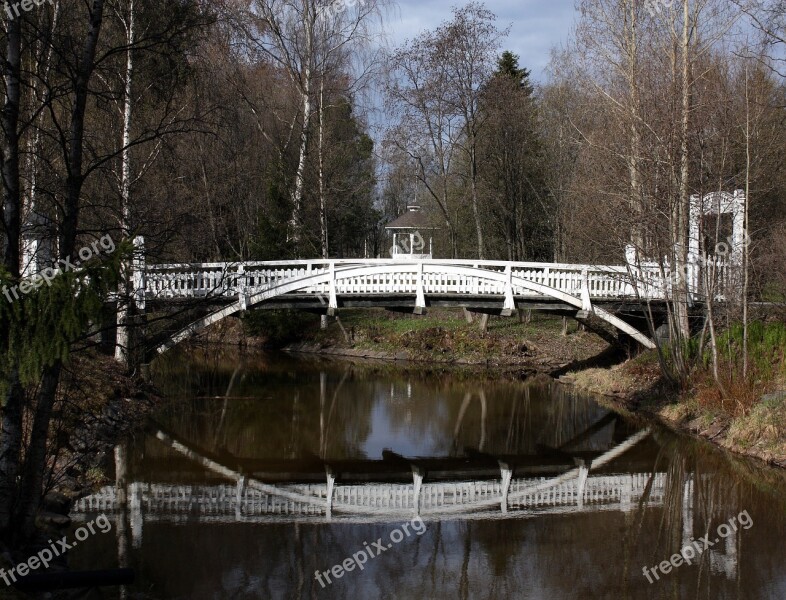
x=744 y=414
x=441 y=335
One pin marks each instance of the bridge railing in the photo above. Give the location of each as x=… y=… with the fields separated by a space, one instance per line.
x=402 y=277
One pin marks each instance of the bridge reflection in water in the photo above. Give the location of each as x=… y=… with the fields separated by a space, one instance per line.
x=514 y=459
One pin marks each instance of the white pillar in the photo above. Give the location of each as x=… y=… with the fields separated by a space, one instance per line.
x=333 y=300
x=738 y=233
x=420 y=296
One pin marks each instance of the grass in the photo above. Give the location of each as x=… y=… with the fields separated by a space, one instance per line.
x=748 y=414
x=444 y=334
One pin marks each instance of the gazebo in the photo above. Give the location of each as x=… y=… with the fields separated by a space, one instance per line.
x=409 y=235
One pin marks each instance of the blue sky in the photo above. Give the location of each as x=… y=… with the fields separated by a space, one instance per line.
x=535 y=25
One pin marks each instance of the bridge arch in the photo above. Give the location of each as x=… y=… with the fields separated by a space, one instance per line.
x=508 y=280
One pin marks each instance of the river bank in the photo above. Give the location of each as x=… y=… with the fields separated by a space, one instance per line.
x=537 y=344
x=636 y=387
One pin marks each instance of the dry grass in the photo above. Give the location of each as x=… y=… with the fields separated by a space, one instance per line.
x=612 y=381
x=762 y=428
x=737 y=398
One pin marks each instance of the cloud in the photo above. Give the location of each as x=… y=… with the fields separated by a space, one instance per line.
x=536 y=26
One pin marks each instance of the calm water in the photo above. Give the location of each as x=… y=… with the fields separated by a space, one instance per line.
x=208 y=502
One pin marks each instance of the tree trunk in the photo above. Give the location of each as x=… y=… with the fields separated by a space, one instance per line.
x=36 y=457
x=296 y=221
x=10 y=450
x=475 y=208
x=683 y=206
x=35 y=462
x=124 y=293
x=13 y=402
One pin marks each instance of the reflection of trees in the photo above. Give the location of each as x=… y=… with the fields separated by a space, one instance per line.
x=294 y=409
x=277 y=414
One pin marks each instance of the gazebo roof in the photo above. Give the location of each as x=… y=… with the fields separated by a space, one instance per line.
x=412 y=219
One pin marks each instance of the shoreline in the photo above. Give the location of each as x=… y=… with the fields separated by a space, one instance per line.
x=668 y=408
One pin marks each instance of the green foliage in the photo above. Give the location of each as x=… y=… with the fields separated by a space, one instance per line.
x=508 y=66
x=39 y=327
x=766 y=346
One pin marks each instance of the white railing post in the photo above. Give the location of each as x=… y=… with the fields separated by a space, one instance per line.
x=507 y=475
x=417 y=482
x=240 y=490
x=241 y=286
x=510 y=302
x=586 y=302
x=333 y=301
x=331 y=481
x=581 y=482
x=420 y=296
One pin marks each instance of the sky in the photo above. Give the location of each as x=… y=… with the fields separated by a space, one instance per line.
x=535 y=25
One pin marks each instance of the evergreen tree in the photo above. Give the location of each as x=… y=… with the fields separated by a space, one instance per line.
x=508 y=66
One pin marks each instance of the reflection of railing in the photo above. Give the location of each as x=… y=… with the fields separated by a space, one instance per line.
x=222 y=502
x=256 y=498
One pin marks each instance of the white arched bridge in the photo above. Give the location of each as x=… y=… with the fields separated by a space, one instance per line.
x=617 y=296
x=327 y=285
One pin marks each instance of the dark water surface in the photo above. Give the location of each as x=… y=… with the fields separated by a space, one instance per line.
x=209 y=502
